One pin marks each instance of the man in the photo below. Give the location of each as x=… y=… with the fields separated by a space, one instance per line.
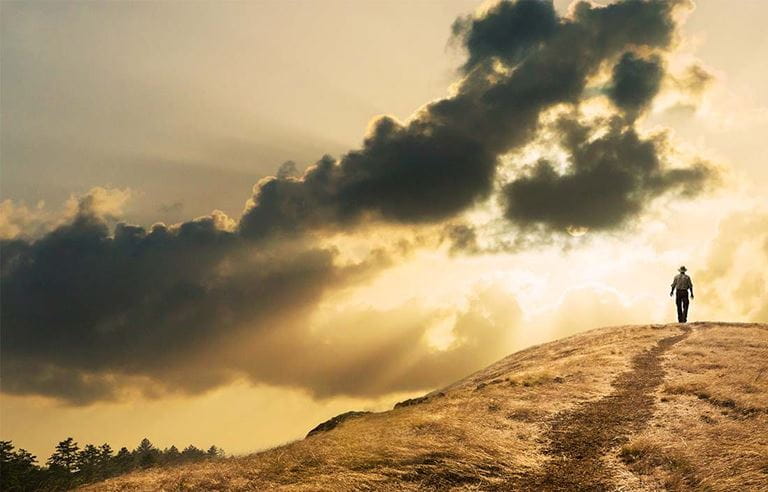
x=682 y=283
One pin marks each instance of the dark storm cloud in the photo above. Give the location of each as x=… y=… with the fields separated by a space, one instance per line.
x=86 y=309
x=287 y=169
x=88 y=312
x=509 y=31
x=404 y=174
x=444 y=160
x=635 y=82
x=608 y=180
x=84 y=301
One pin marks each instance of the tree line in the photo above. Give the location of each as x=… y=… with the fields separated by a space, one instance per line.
x=70 y=466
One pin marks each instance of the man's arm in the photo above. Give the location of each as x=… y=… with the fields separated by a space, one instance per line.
x=690 y=286
x=672 y=291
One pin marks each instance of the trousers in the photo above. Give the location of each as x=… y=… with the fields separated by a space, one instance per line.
x=682 y=301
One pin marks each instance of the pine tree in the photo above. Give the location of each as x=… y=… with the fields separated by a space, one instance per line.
x=6 y=451
x=214 y=452
x=123 y=461
x=65 y=456
x=147 y=454
x=18 y=470
x=171 y=455
x=106 y=466
x=62 y=465
x=191 y=453
x=105 y=453
x=145 y=446
x=88 y=461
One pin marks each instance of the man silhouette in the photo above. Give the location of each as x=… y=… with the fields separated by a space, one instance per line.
x=681 y=283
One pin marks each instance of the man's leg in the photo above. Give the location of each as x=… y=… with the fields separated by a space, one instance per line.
x=685 y=308
x=679 y=304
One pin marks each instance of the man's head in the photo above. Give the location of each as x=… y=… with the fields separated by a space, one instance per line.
x=682 y=269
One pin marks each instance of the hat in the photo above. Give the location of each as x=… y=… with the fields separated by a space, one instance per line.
x=682 y=269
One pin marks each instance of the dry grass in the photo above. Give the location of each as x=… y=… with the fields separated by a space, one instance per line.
x=710 y=428
x=665 y=463
x=489 y=426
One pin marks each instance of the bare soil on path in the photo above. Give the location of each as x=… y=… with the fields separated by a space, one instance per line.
x=578 y=439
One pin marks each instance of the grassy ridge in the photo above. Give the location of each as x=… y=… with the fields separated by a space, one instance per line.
x=491 y=427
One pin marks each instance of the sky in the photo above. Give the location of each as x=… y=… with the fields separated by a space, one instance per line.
x=225 y=222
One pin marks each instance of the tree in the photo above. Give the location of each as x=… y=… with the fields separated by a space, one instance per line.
x=18 y=470
x=191 y=453
x=123 y=461
x=65 y=457
x=171 y=455
x=62 y=465
x=69 y=466
x=88 y=461
x=147 y=454
x=214 y=452
x=6 y=451
x=105 y=460
x=145 y=446
x=105 y=453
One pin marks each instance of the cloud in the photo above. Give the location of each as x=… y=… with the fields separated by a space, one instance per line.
x=732 y=279
x=509 y=31
x=368 y=352
x=89 y=310
x=608 y=180
x=17 y=220
x=461 y=237
x=89 y=313
x=103 y=202
x=589 y=306
x=635 y=82
x=287 y=169
x=695 y=80
x=684 y=91
x=189 y=307
x=83 y=301
x=404 y=174
x=522 y=60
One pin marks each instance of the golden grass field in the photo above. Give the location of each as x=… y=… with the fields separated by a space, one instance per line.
x=692 y=414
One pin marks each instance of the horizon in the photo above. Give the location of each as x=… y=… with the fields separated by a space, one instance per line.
x=352 y=217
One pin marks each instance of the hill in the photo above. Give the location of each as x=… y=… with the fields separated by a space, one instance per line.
x=649 y=407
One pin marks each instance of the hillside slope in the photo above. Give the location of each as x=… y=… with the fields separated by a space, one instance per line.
x=651 y=407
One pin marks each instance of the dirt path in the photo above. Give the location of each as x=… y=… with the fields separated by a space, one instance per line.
x=580 y=437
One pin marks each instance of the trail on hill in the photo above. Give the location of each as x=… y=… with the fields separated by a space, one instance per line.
x=580 y=437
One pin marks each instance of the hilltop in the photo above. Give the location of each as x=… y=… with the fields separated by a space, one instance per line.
x=646 y=407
